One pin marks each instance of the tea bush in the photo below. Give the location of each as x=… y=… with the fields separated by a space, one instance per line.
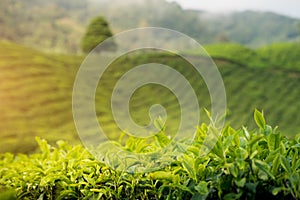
x=243 y=164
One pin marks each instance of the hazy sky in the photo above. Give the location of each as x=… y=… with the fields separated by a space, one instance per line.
x=286 y=7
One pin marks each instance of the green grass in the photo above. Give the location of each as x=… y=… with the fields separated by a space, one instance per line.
x=36 y=92
x=242 y=165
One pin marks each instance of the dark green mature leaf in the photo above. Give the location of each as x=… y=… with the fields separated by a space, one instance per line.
x=272 y=155
x=294 y=179
x=188 y=165
x=273 y=141
x=233 y=196
x=295 y=159
x=275 y=191
x=202 y=190
x=276 y=164
x=233 y=170
x=285 y=164
x=241 y=182
x=198 y=196
x=297 y=166
x=218 y=148
x=254 y=141
x=263 y=167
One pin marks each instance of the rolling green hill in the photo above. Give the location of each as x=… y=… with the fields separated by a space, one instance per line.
x=36 y=91
x=282 y=55
x=238 y=54
x=265 y=78
x=35 y=96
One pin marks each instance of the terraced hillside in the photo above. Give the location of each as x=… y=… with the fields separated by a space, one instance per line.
x=36 y=92
x=35 y=96
x=253 y=82
x=267 y=78
x=282 y=55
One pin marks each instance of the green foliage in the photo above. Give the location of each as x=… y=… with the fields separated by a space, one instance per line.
x=236 y=53
x=282 y=55
x=97 y=31
x=251 y=165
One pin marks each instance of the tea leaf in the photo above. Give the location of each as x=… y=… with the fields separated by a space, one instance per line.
x=201 y=188
x=241 y=182
x=273 y=141
x=264 y=167
x=276 y=164
x=162 y=139
x=285 y=164
x=275 y=191
x=259 y=119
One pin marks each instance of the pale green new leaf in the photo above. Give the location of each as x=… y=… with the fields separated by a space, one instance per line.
x=259 y=119
x=285 y=164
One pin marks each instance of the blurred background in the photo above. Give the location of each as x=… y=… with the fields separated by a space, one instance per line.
x=255 y=44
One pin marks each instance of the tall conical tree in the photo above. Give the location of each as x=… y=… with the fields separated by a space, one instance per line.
x=97 y=31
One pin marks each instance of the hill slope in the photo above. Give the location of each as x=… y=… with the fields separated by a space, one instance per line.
x=35 y=96
x=36 y=92
x=282 y=55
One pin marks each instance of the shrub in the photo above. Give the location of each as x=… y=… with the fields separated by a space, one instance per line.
x=97 y=31
x=243 y=164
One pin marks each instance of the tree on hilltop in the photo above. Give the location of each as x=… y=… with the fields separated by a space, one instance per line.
x=97 y=31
